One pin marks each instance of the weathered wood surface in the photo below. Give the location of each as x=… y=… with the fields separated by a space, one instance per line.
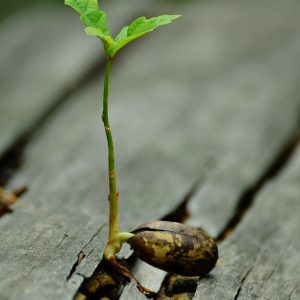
x=261 y=259
x=217 y=108
x=240 y=166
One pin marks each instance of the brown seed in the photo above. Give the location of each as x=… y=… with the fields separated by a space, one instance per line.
x=175 y=248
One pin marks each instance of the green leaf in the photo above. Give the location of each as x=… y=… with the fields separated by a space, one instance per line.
x=106 y=39
x=136 y=29
x=95 y=21
x=93 y=18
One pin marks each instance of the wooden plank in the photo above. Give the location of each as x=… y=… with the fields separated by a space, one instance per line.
x=47 y=56
x=160 y=158
x=216 y=199
x=261 y=259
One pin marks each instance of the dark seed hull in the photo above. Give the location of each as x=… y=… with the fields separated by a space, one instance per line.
x=175 y=248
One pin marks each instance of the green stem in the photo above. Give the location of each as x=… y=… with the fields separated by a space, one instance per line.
x=116 y=238
x=113 y=194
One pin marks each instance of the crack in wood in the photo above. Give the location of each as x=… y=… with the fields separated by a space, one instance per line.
x=81 y=255
x=247 y=198
x=241 y=284
x=181 y=213
x=13 y=157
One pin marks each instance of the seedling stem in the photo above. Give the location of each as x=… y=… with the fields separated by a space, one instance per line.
x=115 y=239
x=96 y=24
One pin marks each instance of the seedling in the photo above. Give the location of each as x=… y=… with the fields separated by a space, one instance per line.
x=178 y=238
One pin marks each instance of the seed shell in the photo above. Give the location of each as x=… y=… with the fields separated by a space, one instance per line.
x=174 y=247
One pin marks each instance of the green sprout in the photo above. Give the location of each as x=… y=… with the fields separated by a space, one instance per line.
x=197 y=253
x=96 y=24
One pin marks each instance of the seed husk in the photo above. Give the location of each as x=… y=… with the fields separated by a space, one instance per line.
x=174 y=247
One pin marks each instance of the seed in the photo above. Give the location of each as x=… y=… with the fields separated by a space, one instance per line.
x=174 y=247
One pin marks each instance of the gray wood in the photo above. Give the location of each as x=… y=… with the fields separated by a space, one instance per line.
x=44 y=52
x=261 y=259
x=211 y=113
x=238 y=167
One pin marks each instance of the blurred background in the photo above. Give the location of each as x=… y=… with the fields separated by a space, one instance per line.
x=9 y=7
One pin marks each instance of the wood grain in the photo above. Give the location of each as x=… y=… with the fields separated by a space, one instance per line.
x=260 y=260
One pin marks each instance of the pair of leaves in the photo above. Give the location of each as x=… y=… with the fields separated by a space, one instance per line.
x=95 y=21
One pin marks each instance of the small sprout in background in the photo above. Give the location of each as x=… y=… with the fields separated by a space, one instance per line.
x=170 y=246
x=8 y=198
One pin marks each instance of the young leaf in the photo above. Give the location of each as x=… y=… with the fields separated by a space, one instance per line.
x=95 y=21
x=136 y=29
x=93 y=18
x=106 y=39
